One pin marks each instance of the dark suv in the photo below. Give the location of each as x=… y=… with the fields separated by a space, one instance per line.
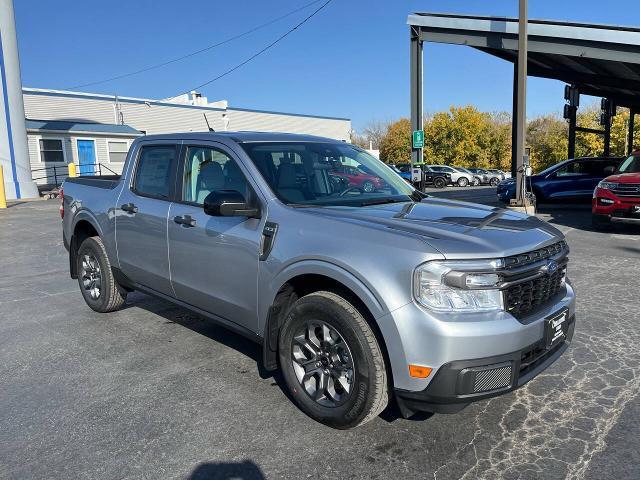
x=573 y=179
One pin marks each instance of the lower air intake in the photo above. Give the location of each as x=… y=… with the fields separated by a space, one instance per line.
x=492 y=379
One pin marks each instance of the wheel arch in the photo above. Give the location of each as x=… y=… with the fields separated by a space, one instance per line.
x=299 y=282
x=84 y=226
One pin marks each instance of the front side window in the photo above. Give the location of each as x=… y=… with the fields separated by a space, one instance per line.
x=51 y=151
x=326 y=174
x=154 y=171
x=209 y=170
x=117 y=151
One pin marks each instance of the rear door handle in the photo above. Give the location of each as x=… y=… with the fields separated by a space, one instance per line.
x=129 y=207
x=185 y=220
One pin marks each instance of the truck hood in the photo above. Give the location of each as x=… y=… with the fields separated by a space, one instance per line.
x=455 y=229
x=624 y=178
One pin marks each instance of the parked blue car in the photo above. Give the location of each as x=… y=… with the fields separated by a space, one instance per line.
x=573 y=179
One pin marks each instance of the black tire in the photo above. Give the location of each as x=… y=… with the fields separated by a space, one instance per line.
x=110 y=295
x=368 y=186
x=439 y=182
x=601 y=223
x=494 y=181
x=463 y=182
x=369 y=393
x=476 y=181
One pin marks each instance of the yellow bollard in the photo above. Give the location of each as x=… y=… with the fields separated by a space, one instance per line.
x=3 y=198
x=72 y=170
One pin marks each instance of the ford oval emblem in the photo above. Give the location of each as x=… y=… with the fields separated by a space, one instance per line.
x=552 y=267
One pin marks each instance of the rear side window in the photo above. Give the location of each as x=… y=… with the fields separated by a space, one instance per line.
x=154 y=171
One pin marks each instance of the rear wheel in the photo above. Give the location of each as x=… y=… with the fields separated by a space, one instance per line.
x=475 y=182
x=439 y=182
x=99 y=288
x=494 y=181
x=463 y=182
x=332 y=362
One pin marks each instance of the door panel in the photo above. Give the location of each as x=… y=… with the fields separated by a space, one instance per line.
x=86 y=157
x=141 y=222
x=214 y=260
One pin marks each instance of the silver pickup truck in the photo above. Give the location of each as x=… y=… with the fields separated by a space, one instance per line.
x=359 y=295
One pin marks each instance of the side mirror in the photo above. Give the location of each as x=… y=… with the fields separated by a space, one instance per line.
x=610 y=170
x=229 y=203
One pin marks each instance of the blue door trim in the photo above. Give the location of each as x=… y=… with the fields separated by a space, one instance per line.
x=12 y=155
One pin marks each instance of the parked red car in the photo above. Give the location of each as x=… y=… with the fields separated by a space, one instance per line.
x=617 y=198
x=358 y=178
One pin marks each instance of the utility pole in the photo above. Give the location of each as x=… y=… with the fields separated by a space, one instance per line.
x=522 y=100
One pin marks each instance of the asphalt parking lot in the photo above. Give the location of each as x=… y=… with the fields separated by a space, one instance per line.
x=153 y=391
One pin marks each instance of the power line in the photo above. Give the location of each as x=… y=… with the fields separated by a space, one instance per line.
x=197 y=52
x=282 y=37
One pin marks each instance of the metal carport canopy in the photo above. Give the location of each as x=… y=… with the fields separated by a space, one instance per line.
x=601 y=60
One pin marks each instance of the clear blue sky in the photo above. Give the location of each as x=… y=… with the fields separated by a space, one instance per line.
x=351 y=60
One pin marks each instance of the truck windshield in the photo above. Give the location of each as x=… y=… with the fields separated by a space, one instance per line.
x=630 y=165
x=324 y=174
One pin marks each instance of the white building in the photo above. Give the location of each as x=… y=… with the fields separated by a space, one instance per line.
x=95 y=130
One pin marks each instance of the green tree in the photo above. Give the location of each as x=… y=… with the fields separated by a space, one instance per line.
x=547 y=138
x=395 y=145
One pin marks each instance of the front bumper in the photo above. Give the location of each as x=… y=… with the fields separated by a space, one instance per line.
x=617 y=209
x=451 y=343
x=456 y=383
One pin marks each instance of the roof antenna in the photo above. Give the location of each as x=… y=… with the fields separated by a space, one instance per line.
x=206 y=120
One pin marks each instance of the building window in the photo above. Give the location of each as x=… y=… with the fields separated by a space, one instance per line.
x=51 y=151
x=118 y=152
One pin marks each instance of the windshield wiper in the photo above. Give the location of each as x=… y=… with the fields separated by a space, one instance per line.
x=382 y=201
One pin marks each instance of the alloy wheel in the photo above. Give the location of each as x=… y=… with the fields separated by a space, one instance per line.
x=91 y=276
x=323 y=363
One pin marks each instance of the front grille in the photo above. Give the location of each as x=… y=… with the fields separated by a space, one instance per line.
x=535 y=255
x=627 y=190
x=526 y=297
x=492 y=379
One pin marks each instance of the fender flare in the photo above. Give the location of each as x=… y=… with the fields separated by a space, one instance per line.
x=80 y=216
x=272 y=309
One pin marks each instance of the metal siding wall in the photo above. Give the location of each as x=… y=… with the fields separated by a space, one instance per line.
x=154 y=119
x=34 y=159
x=277 y=122
x=50 y=107
x=168 y=119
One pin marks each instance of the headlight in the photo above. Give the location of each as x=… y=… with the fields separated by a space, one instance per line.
x=455 y=287
x=607 y=185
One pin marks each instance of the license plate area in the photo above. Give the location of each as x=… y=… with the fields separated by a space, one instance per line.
x=555 y=328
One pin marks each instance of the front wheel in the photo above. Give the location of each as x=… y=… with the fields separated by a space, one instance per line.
x=494 y=181
x=463 y=182
x=99 y=288
x=476 y=181
x=331 y=361
x=368 y=186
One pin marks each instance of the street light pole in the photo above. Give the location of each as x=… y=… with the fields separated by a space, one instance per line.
x=522 y=100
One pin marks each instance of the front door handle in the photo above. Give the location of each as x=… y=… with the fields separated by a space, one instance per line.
x=129 y=207
x=185 y=220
